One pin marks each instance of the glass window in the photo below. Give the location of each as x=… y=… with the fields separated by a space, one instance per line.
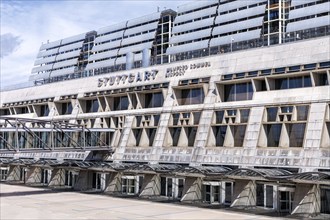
x=219 y=117
x=269 y=196
x=238 y=133
x=260 y=195
x=302 y=113
x=121 y=103
x=154 y=100
x=191 y=134
x=245 y=115
x=273 y=132
x=191 y=96
x=219 y=133
x=44 y=110
x=66 y=108
x=296 y=134
x=238 y=92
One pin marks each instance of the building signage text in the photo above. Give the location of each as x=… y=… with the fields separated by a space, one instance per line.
x=181 y=70
x=128 y=78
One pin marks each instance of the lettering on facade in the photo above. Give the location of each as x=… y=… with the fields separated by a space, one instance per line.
x=128 y=78
x=181 y=70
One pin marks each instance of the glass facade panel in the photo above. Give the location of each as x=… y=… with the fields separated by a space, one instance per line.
x=219 y=133
x=67 y=108
x=154 y=100
x=238 y=133
x=238 y=92
x=269 y=196
x=191 y=96
x=296 y=134
x=325 y=201
x=121 y=103
x=302 y=113
x=245 y=115
x=260 y=195
x=273 y=132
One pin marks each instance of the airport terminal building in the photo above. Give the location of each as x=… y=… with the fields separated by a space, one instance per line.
x=218 y=103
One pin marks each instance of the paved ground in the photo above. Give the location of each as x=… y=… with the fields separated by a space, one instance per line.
x=21 y=202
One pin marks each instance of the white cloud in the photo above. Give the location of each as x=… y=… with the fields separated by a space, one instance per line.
x=38 y=21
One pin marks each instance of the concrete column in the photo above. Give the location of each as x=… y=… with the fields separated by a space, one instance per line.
x=33 y=175
x=57 y=178
x=192 y=191
x=129 y=60
x=114 y=184
x=307 y=200
x=13 y=174
x=245 y=194
x=151 y=186
x=146 y=55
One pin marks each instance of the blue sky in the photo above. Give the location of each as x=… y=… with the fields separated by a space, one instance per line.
x=26 y=24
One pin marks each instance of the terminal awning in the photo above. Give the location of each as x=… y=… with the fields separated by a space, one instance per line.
x=258 y=173
x=201 y=171
x=152 y=168
x=311 y=177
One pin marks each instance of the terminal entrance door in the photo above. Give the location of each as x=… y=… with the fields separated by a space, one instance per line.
x=97 y=181
x=325 y=201
x=286 y=199
x=70 y=178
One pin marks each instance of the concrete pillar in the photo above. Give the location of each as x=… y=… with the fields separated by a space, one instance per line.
x=114 y=184
x=83 y=182
x=129 y=60
x=57 y=178
x=192 y=191
x=13 y=174
x=146 y=54
x=151 y=186
x=245 y=194
x=307 y=200
x=33 y=175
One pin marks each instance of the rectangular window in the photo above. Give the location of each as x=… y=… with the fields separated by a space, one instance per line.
x=154 y=100
x=296 y=134
x=302 y=113
x=191 y=96
x=120 y=103
x=293 y=82
x=245 y=115
x=273 y=132
x=92 y=106
x=238 y=92
x=66 y=108
x=272 y=114
x=44 y=110
x=238 y=132
x=220 y=134
x=269 y=196
x=260 y=195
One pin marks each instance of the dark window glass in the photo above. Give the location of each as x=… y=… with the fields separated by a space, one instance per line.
x=296 y=134
x=219 y=133
x=281 y=84
x=238 y=92
x=295 y=82
x=245 y=115
x=269 y=196
x=228 y=192
x=121 y=103
x=325 y=201
x=191 y=96
x=197 y=116
x=307 y=81
x=323 y=79
x=163 y=186
x=151 y=132
x=219 y=117
x=272 y=114
x=67 y=108
x=137 y=135
x=273 y=132
x=191 y=135
x=238 y=132
x=287 y=109
x=175 y=134
x=302 y=112
x=92 y=106
x=260 y=195
x=44 y=110
x=154 y=100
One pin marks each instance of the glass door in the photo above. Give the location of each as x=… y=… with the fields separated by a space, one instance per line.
x=286 y=199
